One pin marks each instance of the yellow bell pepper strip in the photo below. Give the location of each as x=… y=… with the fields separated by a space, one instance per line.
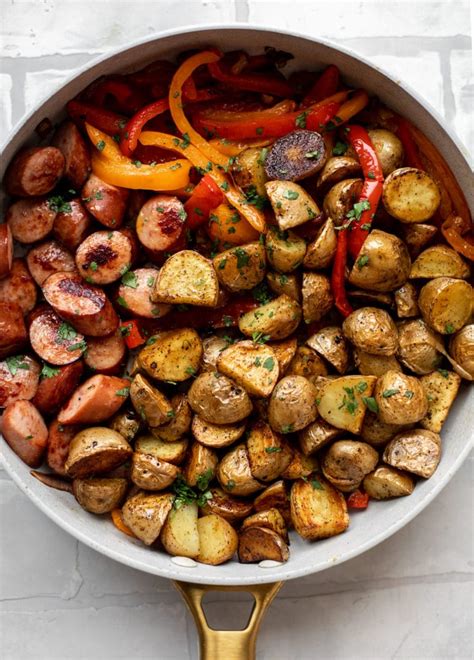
x=186 y=70
x=281 y=108
x=232 y=148
x=110 y=165
x=354 y=105
x=233 y=195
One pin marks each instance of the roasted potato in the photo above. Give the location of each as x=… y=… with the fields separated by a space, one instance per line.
x=187 y=278
x=343 y=401
x=275 y=496
x=260 y=543
x=234 y=473
x=416 y=347
x=416 y=236
x=152 y=406
x=180 y=421
x=218 y=541
x=317 y=296
x=217 y=399
x=331 y=344
x=376 y=432
x=285 y=249
x=341 y=198
x=317 y=435
x=268 y=453
x=201 y=461
x=401 y=399
x=410 y=195
x=301 y=466
x=150 y=473
x=417 y=451
x=388 y=148
x=320 y=252
x=281 y=284
x=127 y=423
x=216 y=435
x=406 y=301
x=252 y=366
x=230 y=508
x=383 y=263
x=292 y=404
x=242 y=267
x=374 y=365
x=248 y=170
x=386 y=482
x=307 y=363
x=180 y=535
x=284 y=351
x=295 y=156
x=212 y=348
x=99 y=495
x=335 y=170
x=291 y=204
x=346 y=463
x=163 y=450
x=277 y=319
x=446 y=304
x=441 y=388
x=439 y=261
x=461 y=348
x=318 y=510
x=146 y=513
x=372 y=330
x=174 y=355
x=96 y=450
x=271 y=519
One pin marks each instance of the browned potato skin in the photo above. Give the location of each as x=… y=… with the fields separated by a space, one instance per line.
x=441 y=390
x=301 y=466
x=217 y=399
x=335 y=170
x=149 y=473
x=406 y=301
x=292 y=404
x=275 y=496
x=461 y=348
x=216 y=435
x=268 y=453
x=416 y=349
x=416 y=236
x=341 y=198
x=346 y=463
x=99 y=495
x=417 y=451
x=331 y=344
x=249 y=170
x=316 y=436
x=285 y=284
x=375 y=365
x=387 y=482
x=127 y=423
x=402 y=199
x=307 y=363
x=317 y=296
x=201 y=460
x=387 y=264
x=285 y=249
x=389 y=149
x=234 y=474
x=175 y=355
x=218 y=541
x=372 y=330
x=230 y=508
x=439 y=261
x=260 y=543
x=152 y=406
x=212 y=348
x=96 y=450
x=146 y=513
x=163 y=450
x=252 y=366
x=271 y=519
x=278 y=318
x=377 y=433
x=180 y=422
x=320 y=252
x=247 y=276
x=284 y=351
x=318 y=513
x=399 y=408
x=291 y=204
x=446 y=304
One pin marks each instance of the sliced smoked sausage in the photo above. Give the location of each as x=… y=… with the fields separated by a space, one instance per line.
x=160 y=222
x=56 y=386
x=54 y=340
x=47 y=258
x=97 y=399
x=30 y=220
x=105 y=202
x=19 y=287
x=59 y=439
x=105 y=354
x=72 y=225
x=6 y=249
x=86 y=307
x=134 y=294
x=104 y=257
x=34 y=171
x=25 y=431
x=19 y=376
x=13 y=334
x=76 y=154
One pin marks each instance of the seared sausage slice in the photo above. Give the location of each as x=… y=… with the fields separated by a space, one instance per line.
x=47 y=258
x=19 y=287
x=56 y=386
x=105 y=202
x=30 y=220
x=13 y=333
x=34 y=171
x=160 y=222
x=19 y=377
x=105 y=354
x=54 y=340
x=25 y=431
x=6 y=249
x=71 y=226
x=97 y=399
x=86 y=307
x=104 y=257
x=76 y=154
x=134 y=294
x=59 y=439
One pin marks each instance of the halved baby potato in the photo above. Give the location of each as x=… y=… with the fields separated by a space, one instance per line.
x=372 y=330
x=187 y=278
x=234 y=473
x=461 y=348
x=218 y=399
x=417 y=451
x=401 y=399
x=331 y=344
x=320 y=252
x=212 y=348
x=341 y=198
x=292 y=404
x=269 y=518
x=317 y=296
x=277 y=319
x=291 y=204
x=230 y=508
x=441 y=389
x=377 y=433
x=307 y=363
x=285 y=249
x=346 y=463
x=180 y=534
x=446 y=304
x=151 y=473
x=218 y=540
x=146 y=513
x=374 y=365
x=99 y=495
x=281 y=284
x=180 y=420
x=151 y=404
x=317 y=435
x=216 y=435
x=343 y=401
x=275 y=496
x=388 y=148
x=284 y=351
x=241 y=268
x=417 y=347
x=201 y=461
x=416 y=236
x=253 y=366
x=383 y=263
x=410 y=195
x=260 y=543
x=318 y=510
x=268 y=453
x=174 y=355
x=96 y=450
x=335 y=170
x=406 y=301
x=386 y=482
x=248 y=170
x=162 y=450
x=439 y=261
x=301 y=466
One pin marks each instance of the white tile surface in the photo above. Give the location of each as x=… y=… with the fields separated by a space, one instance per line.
x=409 y=598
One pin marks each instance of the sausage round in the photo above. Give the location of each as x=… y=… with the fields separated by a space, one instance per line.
x=86 y=307
x=54 y=340
x=19 y=287
x=134 y=294
x=160 y=222
x=73 y=147
x=47 y=258
x=97 y=399
x=30 y=220
x=25 y=431
x=104 y=256
x=59 y=439
x=6 y=249
x=105 y=354
x=105 y=202
x=72 y=226
x=34 y=171
x=19 y=376
x=13 y=334
x=56 y=386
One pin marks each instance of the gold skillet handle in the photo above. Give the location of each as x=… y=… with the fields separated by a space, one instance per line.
x=227 y=644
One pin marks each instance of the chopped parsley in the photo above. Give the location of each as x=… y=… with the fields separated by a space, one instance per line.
x=65 y=333
x=243 y=257
x=123 y=392
x=300 y=120
x=312 y=154
x=269 y=363
x=370 y=175
x=283 y=279
x=16 y=362
x=126 y=329
x=259 y=130
x=362 y=261
x=230 y=484
x=291 y=194
x=449 y=328
x=184 y=494
x=93 y=266
x=287 y=428
x=371 y=403
x=227 y=321
x=389 y=393
x=130 y=280
x=80 y=346
x=349 y=402
x=121 y=301
x=317 y=485
x=171 y=414
x=362 y=386
x=409 y=394
x=222 y=264
x=224 y=186
x=190 y=370
x=100 y=145
x=261 y=293
x=444 y=373
x=59 y=204
x=260 y=338
x=49 y=372
x=359 y=207
x=272 y=450
x=339 y=149
x=252 y=197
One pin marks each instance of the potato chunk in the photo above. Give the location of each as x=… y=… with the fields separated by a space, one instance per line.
x=439 y=261
x=174 y=355
x=270 y=518
x=99 y=495
x=253 y=366
x=277 y=319
x=218 y=541
x=417 y=451
x=260 y=543
x=96 y=450
x=331 y=344
x=401 y=399
x=292 y=404
x=180 y=534
x=151 y=404
x=269 y=454
x=318 y=510
x=446 y=304
x=187 y=278
x=383 y=263
x=441 y=389
x=219 y=400
x=285 y=249
x=346 y=463
x=291 y=204
x=201 y=462
x=234 y=473
x=372 y=330
x=387 y=482
x=317 y=296
x=216 y=435
x=321 y=250
x=241 y=268
x=145 y=514
x=163 y=450
x=343 y=401
x=149 y=473
x=410 y=195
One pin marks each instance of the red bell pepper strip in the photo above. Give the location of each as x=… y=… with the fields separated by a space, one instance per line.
x=105 y=120
x=358 y=500
x=131 y=333
x=135 y=125
x=127 y=99
x=338 y=274
x=412 y=156
x=206 y=196
x=371 y=190
x=251 y=82
x=324 y=86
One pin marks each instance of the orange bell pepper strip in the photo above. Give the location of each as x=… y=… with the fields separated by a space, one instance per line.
x=232 y=148
x=452 y=230
x=233 y=194
x=228 y=226
x=117 y=520
x=281 y=108
x=352 y=107
x=110 y=165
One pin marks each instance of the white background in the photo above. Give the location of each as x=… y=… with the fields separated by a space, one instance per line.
x=412 y=596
